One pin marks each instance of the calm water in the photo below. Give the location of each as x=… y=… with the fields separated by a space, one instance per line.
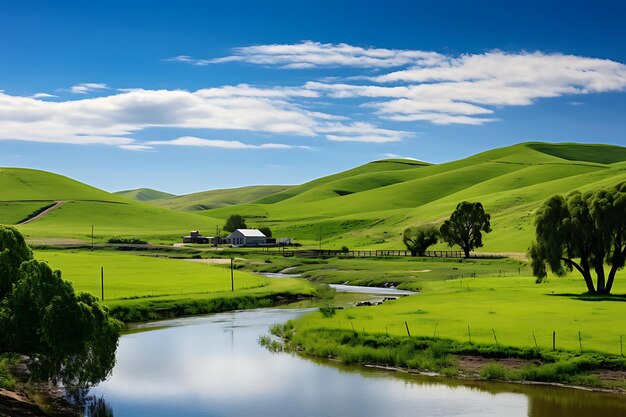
x=213 y=366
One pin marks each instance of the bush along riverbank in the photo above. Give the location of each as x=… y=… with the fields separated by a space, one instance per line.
x=155 y=308
x=451 y=358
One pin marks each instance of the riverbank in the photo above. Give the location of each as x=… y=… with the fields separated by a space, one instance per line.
x=463 y=360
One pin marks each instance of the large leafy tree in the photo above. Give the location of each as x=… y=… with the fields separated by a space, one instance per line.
x=418 y=238
x=13 y=251
x=67 y=337
x=234 y=222
x=465 y=226
x=583 y=231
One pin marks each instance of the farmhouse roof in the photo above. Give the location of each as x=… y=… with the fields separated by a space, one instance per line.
x=251 y=232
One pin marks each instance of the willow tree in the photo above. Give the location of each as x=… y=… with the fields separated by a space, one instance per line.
x=66 y=337
x=585 y=232
x=418 y=238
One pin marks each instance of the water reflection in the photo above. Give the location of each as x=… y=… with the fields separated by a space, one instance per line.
x=213 y=366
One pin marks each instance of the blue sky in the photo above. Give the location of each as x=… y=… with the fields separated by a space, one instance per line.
x=194 y=95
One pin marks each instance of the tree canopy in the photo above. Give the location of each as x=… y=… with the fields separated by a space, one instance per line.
x=465 y=226
x=234 y=222
x=266 y=231
x=583 y=231
x=67 y=337
x=418 y=238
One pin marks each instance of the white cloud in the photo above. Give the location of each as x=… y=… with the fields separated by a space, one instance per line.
x=42 y=95
x=113 y=119
x=84 y=88
x=309 y=54
x=396 y=156
x=221 y=144
x=463 y=90
x=361 y=132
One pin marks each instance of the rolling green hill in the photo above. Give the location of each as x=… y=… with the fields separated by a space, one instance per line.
x=219 y=198
x=25 y=191
x=365 y=207
x=144 y=194
x=371 y=205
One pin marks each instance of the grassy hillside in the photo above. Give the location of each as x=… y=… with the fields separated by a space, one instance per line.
x=25 y=191
x=144 y=194
x=219 y=198
x=365 y=207
x=371 y=205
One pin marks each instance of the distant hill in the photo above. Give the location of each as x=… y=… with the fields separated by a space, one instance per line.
x=219 y=198
x=365 y=207
x=369 y=206
x=144 y=194
x=27 y=191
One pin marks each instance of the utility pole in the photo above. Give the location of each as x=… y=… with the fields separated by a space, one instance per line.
x=217 y=234
x=232 y=277
x=102 y=282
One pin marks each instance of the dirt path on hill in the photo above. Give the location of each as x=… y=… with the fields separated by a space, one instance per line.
x=56 y=205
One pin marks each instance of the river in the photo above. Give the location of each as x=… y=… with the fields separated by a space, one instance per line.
x=213 y=366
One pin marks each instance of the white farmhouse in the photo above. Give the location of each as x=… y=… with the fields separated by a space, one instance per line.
x=246 y=237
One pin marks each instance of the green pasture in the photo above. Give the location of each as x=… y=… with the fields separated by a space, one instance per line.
x=512 y=307
x=369 y=206
x=403 y=272
x=130 y=277
x=133 y=219
x=366 y=207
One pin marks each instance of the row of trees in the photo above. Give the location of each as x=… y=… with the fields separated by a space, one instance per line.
x=464 y=228
x=66 y=336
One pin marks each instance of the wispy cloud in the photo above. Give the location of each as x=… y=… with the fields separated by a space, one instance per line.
x=309 y=54
x=221 y=144
x=465 y=89
x=84 y=88
x=396 y=156
x=113 y=119
x=42 y=95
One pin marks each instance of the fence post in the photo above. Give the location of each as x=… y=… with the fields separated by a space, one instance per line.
x=435 y=332
x=535 y=339
x=494 y=336
x=580 y=342
x=407 y=328
x=553 y=340
x=469 y=334
x=621 y=347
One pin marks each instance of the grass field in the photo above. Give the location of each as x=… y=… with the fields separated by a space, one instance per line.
x=139 y=281
x=512 y=307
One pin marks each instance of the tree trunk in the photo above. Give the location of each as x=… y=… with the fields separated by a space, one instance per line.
x=413 y=253
x=584 y=271
x=467 y=252
x=600 y=280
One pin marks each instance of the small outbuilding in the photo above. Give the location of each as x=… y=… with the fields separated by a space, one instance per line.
x=195 y=237
x=246 y=237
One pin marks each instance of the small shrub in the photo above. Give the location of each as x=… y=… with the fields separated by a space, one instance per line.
x=327 y=311
x=127 y=240
x=494 y=370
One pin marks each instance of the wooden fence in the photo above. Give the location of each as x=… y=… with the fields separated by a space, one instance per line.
x=317 y=253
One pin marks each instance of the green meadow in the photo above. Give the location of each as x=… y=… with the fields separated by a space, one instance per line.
x=150 y=282
x=511 y=307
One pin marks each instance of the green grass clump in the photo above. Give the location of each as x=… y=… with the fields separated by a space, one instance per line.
x=7 y=380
